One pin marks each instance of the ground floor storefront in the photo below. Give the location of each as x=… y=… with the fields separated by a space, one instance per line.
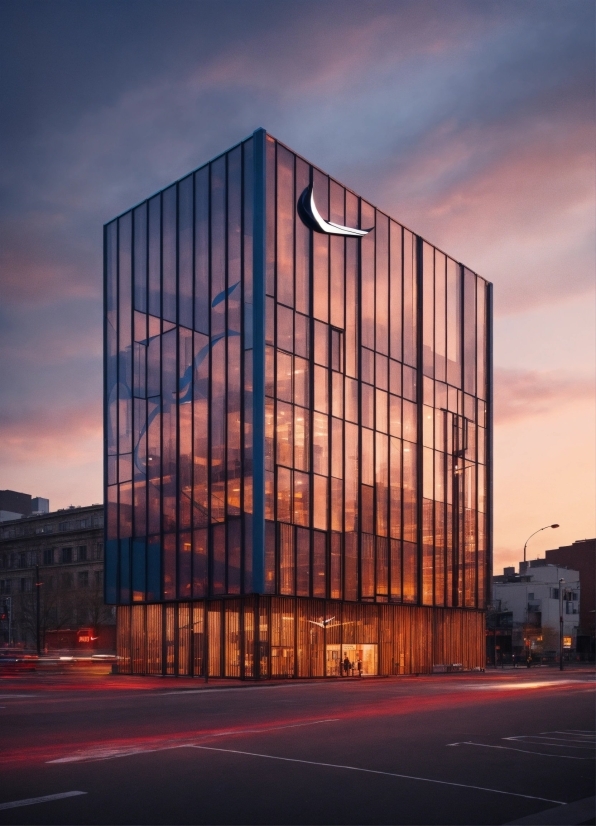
x=274 y=637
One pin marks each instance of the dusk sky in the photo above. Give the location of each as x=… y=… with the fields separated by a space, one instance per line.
x=472 y=123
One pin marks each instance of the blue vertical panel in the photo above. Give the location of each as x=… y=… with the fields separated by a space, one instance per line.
x=138 y=569
x=169 y=429
x=200 y=500
x=125 y=565
x=185 y=251
x=140 y=466
x=154 y=591
x=140 y=258
x=125 y=346
x=201 y=242
x=247 y=387
x=111 y=406
x=125 y=334
x=234 y=329
x=218 y=248
x=259 y=251
x=154 y=248
x=217 y=407
x=169 y=256
x=184 y=405
x=110 y=561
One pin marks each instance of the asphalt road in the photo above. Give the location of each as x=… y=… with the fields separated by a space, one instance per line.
x=478 y=748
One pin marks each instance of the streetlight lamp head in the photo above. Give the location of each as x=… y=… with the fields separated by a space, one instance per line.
x=554 y=526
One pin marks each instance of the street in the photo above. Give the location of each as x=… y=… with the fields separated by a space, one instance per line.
x=481 y=748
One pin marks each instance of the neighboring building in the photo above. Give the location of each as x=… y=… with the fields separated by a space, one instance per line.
x=532 y=599
x=67 y=549
x=298 y=430
x=14 y=505
x=581 y=556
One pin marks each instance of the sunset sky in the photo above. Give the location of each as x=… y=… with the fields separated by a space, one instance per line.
x=472 y=123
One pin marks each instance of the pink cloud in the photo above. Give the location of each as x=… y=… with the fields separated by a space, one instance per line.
x=63 y=436
x=522 y=394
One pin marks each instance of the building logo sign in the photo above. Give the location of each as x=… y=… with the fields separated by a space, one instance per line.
x=307 y=209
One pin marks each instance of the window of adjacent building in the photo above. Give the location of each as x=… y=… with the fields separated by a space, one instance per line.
x=48 y=556
x=98 y=576
x=83 y=579
x=22 y=560
x=82 y=553
x=5 y=586
x=66 y=555
x=531 y=595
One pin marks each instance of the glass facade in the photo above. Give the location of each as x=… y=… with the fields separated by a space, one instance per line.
x=297 y=423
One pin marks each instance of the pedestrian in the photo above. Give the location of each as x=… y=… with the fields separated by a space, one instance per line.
x=346 y=666
x=359 y=667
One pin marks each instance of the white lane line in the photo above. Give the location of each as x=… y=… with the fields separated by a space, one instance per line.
x=582 y=744
x=546 y=741
x=523 y=751
x=17 y=696
x=386 y=774
x=31 y=801
x=575 y=734
x=109 y=753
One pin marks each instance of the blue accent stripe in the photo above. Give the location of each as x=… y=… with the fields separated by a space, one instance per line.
x=259 y=258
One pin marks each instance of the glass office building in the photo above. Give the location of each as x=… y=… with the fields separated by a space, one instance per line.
x=297 y=430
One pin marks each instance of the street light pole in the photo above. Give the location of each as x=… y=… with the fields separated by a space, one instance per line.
x=561 y=583
x=534 y=534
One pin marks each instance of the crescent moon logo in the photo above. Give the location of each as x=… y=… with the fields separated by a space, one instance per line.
x=307 y=209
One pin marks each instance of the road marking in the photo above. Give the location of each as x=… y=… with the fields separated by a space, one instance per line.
x=16 y=696
x=546 y=741
x=575 y=734
x=523 y=751
x=111 y=752
x=515 y=686
x=386 y=774
x=580 y=744
x=31 y=801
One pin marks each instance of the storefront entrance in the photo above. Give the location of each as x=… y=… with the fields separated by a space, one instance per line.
x=366 y=653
